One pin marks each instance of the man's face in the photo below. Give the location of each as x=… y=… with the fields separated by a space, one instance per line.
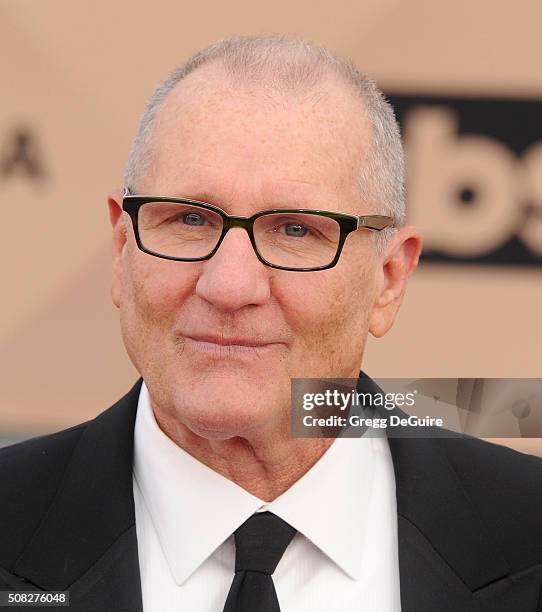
x=246 y=151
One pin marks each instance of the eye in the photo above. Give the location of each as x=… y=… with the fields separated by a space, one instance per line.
x=193 y=218
x=297 y=230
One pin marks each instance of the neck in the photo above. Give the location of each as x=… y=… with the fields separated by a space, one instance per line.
x=264 y=465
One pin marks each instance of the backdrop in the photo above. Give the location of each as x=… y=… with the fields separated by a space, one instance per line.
x=466 y=82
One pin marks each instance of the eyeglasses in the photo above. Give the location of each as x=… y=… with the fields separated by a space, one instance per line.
x=295 y=239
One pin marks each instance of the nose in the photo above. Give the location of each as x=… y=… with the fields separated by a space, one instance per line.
x=234 y=277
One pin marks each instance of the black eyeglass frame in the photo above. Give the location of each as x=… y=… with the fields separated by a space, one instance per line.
x=347 y=223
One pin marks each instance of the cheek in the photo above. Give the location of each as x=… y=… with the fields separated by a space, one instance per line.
x=153 y=293
x=328 y=313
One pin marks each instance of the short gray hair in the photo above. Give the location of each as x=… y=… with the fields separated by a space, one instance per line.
x=292 y=64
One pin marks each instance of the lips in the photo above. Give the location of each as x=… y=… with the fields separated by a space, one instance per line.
x=236 y=341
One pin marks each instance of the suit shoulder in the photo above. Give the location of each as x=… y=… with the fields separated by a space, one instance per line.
x=30 y=473
x=494 y=465
x=505 y=487
x=46 y=449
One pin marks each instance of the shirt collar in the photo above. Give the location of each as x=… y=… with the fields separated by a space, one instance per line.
x=194 y=509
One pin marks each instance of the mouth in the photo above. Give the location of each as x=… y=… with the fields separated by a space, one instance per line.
x=228 y=348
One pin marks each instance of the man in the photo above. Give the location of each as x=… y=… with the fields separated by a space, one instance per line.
x=191 y=493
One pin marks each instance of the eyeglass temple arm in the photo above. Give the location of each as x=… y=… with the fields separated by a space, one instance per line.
x=375 y=222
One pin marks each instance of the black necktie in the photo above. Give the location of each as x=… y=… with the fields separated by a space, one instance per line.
x=260 y=543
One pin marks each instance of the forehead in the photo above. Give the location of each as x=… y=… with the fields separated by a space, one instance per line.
x=221 y=138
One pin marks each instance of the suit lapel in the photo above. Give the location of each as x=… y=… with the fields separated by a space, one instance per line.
x=429 y=583
x=87 y=541
x=447 y=559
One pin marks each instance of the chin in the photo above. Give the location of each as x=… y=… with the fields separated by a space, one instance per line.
x=227 y=422
x=221 y=411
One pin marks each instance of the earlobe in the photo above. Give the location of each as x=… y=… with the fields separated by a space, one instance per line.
x=377 y=327
x=385 y=311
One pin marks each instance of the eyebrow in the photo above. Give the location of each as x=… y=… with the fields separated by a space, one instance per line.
x=196 y=194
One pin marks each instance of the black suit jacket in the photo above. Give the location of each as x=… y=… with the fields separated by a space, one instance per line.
x=469 y=519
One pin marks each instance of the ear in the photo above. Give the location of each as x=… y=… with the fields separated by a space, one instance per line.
x=397 y=263
x=114 y=202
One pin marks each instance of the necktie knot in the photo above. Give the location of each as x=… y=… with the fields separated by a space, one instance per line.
x=260 y=542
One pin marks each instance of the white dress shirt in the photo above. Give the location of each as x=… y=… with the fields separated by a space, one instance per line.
x=344 y=557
